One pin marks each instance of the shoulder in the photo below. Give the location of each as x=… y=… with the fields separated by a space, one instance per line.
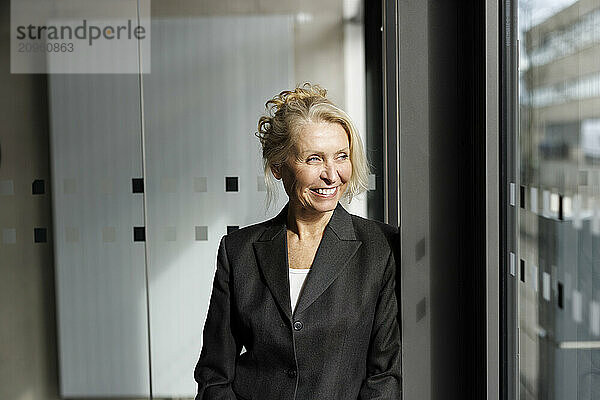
x=239 y=242
x=250 y=233
x=376 y=236
x=380 y=246
x=368 y=228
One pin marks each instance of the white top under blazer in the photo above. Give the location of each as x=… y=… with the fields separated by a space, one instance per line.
x=297 y=279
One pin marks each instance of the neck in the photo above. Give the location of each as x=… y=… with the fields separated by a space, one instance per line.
x=307 y=224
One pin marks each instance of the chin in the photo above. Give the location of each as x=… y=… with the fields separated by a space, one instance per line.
x=325 y=206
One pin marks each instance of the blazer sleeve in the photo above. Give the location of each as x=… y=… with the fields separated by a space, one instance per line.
x=215 y=369
x=384 y=358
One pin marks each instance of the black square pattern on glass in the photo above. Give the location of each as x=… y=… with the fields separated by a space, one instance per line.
x=232 y=228
x=137 y=185
x=231 y=184
x=522 y=196
x=523 y=270
x=560 y=207
x=421 y=309
x=202 y=232
x=39 y=235
x=560 y=296
x=420 y=250
x=139 y=234
x=37 y=187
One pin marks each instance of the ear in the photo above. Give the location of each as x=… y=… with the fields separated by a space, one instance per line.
x=276 y=171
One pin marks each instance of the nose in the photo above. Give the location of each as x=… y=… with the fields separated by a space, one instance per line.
x=329 y=174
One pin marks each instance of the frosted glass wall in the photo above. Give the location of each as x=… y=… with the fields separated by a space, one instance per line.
x=98 y=219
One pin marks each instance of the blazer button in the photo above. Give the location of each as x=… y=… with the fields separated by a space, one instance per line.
x=298 y=325
x=291 y=373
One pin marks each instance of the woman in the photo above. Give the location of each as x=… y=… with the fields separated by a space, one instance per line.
x=310 y=294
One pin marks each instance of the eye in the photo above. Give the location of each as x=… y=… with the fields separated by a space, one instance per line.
x=343 y=156
x=312 y=159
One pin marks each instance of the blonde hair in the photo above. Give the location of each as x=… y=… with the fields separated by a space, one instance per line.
x=287 y=113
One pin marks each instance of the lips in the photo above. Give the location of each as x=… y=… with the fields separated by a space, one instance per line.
x=325 y=192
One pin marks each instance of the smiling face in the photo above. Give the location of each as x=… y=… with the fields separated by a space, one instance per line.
x=317 y=173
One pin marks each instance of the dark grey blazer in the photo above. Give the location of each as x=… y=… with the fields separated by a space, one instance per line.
x=343 y=340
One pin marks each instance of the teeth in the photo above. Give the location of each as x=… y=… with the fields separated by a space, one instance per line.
x=325 y=191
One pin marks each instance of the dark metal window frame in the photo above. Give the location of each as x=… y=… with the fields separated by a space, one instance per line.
x=461 y=259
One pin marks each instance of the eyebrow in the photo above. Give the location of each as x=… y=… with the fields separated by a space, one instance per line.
x=309 y=152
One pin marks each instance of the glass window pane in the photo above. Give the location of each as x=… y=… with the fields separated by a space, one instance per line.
x=559 y=147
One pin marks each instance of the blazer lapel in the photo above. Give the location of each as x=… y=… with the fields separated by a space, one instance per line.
x=337 y=247
x=271 y=254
